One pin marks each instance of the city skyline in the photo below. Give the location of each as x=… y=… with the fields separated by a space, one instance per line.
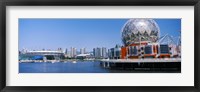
x=38 y=34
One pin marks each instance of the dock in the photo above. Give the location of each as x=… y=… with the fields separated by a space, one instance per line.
x=143 y=64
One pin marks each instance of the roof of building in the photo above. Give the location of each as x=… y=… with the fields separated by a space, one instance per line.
x=83 y=55
x=43 y=51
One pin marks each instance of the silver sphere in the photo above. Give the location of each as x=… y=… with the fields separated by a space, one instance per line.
x=140 y=30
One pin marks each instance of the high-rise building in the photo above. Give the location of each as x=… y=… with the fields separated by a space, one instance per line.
x=100 y=52
x=73 y=52
x=109 y=53
x=83 y=51
x=115 y=53
x=104 y=52
x=94 y=52
x=66 y=51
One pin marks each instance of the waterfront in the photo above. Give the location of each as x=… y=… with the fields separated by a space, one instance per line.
x=82 y=67
x=144 y=46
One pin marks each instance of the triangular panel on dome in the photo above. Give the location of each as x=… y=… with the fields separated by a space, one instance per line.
x=136 y=30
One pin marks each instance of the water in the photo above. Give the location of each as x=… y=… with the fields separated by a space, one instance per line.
x=71 y=67
x=64 y=67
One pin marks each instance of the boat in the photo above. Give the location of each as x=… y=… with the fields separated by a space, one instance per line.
x=74 y=62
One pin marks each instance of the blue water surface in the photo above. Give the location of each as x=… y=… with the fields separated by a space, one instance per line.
x=62 y=67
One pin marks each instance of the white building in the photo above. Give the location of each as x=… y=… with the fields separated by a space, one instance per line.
x=73 y=52
x=83 y=51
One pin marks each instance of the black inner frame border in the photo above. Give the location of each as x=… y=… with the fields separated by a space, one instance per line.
x=4 y=3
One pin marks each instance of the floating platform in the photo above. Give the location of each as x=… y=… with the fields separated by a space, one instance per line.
x=167 y=64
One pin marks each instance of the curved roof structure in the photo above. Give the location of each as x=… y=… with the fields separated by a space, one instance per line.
x=136 y=30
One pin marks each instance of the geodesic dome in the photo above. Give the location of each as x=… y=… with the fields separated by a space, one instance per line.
x=138 y=30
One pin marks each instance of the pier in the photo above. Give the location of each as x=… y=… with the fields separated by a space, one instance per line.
x=167 y=64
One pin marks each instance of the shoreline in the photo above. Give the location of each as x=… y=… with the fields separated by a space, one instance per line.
x=110 y=60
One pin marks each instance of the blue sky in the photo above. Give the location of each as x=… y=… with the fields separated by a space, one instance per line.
x=36 y=34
